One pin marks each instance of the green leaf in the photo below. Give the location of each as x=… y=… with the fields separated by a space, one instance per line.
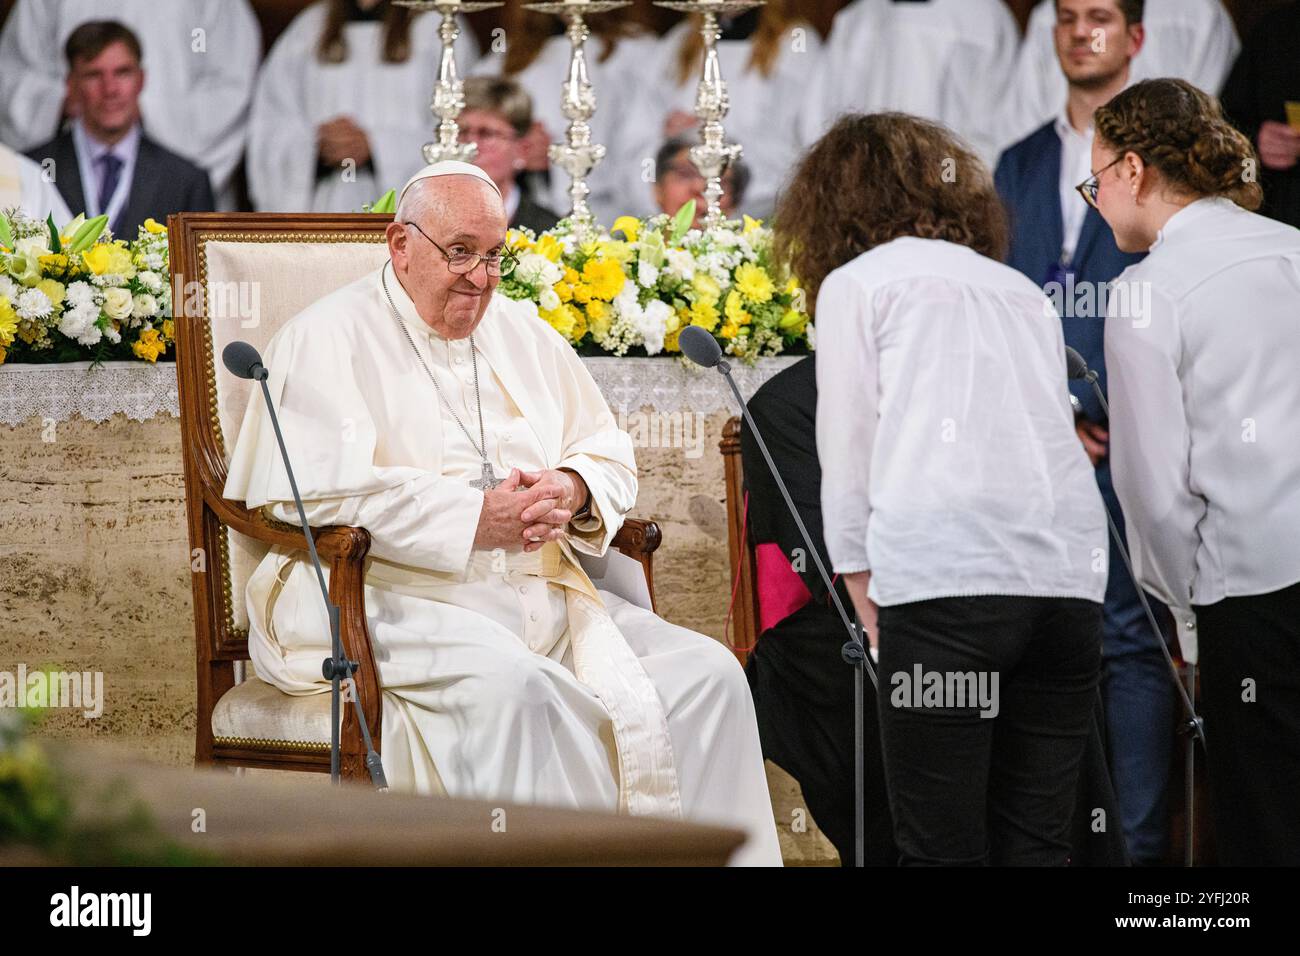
x=682 y=222
x=6 y=232
x=386 y=204
x=55 y=245
x=87 y=235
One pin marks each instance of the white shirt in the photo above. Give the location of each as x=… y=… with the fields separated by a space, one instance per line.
x=950 y=463
x=1193 y=40
x=89 y=152
x=945 y=60
x=1076 y=166
x=1205 y=445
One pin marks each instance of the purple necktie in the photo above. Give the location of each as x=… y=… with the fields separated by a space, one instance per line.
x=110 y=169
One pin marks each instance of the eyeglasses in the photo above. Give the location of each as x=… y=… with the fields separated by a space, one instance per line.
x=497 y=265
x=1089 y=187
x=486 y=134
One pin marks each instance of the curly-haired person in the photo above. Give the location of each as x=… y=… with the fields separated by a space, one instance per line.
x=1202 y=345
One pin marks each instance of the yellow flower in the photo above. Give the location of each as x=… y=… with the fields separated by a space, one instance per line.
x=53 y=291
x=706 y=288
x=563 y=320
x=605 y=277
x=705 y=315
x=582 y=293
x=3 y=353
x=564 y=291
x=671 y=343
x=96 y=259
x=571 y=275
x=154 y=227
x=518 y=241
x=8 y=321
x=752 y=224
x=630 y=226
x=793 y=322
x=169 y=330
x=599 y=314
x=754 y=283
x=736 y=314
x=729 y=331
x=149 y=346
x=549 y=247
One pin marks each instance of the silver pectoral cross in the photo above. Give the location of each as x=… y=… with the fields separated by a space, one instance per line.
x=489 y=479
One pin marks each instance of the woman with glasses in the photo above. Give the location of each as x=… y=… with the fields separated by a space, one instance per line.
x=497 y=117
x=957 y=501
x=341 y=108
x=1202 y=349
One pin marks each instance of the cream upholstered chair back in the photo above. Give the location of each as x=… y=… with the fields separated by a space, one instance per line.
x=242 y=276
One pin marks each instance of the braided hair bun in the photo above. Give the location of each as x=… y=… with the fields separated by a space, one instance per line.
x=1182 y=132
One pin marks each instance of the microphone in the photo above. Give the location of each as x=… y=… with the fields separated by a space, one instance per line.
x=703 y=349
x=1194 y=727
x=243 y=361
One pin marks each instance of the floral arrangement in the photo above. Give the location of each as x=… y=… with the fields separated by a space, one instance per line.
x=637 y=292
x=78 y=293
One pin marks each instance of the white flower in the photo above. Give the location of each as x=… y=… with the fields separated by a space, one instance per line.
x=681 y=264
x=537 y=270
x=117 y=303
x=113 y=335
x=9 y=288
x=79 y=323
x=647 y=275
x=811 y=331
x=33 y=304
x=549 y=299
x=80 y=293
x=35 y=246
x=144 y=306
x=654 y=326
x=151 y=281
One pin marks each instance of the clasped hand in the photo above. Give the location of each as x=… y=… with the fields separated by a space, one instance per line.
x=528 y=509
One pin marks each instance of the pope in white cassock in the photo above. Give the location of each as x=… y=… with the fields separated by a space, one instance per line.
x=467 y=436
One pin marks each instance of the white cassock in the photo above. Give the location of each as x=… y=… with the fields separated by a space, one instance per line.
x=296 y=92
x=505 y=676
x=945 y=60
x=199 y=57
x=764 y=115
x=1194 y=40
x=22 y=185
x=615 y=124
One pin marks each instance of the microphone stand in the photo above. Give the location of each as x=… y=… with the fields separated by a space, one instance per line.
x=854 y=650
x=1194 y=726
x=337 y=667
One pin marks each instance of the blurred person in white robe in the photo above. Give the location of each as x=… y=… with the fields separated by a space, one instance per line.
x=204 y=54
x=944 y=60
x=341 y=111
x=505 y=673
x=1193 y=40
x=24 y=186
x=538 y=58
x=765 y=55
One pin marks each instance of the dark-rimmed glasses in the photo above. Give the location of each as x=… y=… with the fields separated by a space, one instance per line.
x=1089 y=187
x=497 y=265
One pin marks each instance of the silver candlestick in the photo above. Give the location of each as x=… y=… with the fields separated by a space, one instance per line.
x=448 y=92
x=713 y=154
x=579 y=155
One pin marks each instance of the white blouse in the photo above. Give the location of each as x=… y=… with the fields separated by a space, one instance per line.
x=1202 y=365
x=950 y=463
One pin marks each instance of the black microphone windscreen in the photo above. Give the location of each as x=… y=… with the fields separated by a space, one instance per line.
x=699 y=346
x=1075 y=364
x=241 y=359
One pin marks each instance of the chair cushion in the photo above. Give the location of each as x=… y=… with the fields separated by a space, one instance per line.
x=256 y=710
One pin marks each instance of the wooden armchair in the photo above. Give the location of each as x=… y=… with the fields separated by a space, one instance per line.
x=744 y=604
x=241 y=276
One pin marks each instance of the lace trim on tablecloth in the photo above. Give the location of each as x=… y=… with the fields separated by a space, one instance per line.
x=141 y=391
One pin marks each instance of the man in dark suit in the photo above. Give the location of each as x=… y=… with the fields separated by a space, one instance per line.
x=103 y=163
x=1060 y=241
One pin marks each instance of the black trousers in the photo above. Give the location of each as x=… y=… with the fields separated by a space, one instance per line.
x=990 y=777
x=1250 y=699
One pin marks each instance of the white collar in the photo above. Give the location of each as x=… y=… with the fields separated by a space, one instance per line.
x=1065 y=129
x=1185 y=219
